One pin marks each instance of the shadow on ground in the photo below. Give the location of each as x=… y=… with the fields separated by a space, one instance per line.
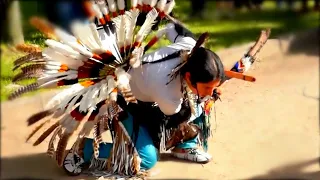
x=310 y=48
x=33 y=167
x=41 y=167
x=293 y=171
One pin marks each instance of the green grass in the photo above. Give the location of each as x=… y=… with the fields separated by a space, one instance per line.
x=244 y=27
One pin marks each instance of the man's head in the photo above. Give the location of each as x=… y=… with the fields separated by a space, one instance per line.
x=203 y=72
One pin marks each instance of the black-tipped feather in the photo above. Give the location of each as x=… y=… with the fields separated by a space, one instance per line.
x=22 y=90
x=33 y=67
x=22 y=76
x=36 y=61
x=30 y=71
x=39 y=116
x=29 y=57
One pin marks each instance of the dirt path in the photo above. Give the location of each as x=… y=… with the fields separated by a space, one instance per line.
x=267 y=129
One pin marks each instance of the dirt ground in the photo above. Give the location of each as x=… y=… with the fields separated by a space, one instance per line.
x=264 y=130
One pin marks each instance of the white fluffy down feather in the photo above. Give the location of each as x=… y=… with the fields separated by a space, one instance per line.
x=123 y=78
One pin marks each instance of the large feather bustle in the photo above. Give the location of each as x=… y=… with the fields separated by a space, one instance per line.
x=92 y=61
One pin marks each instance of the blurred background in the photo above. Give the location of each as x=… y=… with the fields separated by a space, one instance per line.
x=229 y=23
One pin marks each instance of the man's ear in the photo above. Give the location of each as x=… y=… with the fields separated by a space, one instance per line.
x=187 y=77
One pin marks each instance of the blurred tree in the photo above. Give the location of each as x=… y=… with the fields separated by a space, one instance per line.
x=15 y=31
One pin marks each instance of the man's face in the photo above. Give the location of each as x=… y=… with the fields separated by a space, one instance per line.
x=206 y=89
x=203 y=89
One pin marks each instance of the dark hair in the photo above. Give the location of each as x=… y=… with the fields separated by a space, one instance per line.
x=203 y=66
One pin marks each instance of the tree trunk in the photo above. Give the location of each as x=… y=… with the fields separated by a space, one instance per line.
x=15 y=31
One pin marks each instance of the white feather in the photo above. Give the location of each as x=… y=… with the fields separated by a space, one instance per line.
x=92 y=99
x=64 y=49
x=123 y=78
x=83 y=32
x=85 y=100
x=111 y=84
x=137 y=53
x=42 y=80
x=54 y=63
x=131 y=24
x=74 y=100
x=70 y=40
x=113 y=96
x=153 y=2
x=103 y=6
x=49 y=73
x=169 y=6
x=147 y=25
x=121 y=4
x=50 y=54
x=103 y=91
x=97 y=11
x=95 y=33
x=134 y=3
x=60 y=97
x=109 y=41
x=161 y=4
x=51 y=67
x=51 y=82
x=117 y=23
x=112 y=5
x=122 y=31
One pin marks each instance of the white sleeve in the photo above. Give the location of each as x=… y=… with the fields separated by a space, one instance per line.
x=169 y=107
x=174 y=37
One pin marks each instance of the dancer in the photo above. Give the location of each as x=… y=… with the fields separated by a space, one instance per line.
x=150 y=102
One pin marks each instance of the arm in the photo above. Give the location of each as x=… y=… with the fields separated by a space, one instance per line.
x=176 y=112
x=176 y=33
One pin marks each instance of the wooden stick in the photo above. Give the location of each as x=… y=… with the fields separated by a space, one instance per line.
x=261 y=40
x=233 y=74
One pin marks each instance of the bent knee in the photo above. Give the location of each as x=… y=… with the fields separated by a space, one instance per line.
x=149 y=157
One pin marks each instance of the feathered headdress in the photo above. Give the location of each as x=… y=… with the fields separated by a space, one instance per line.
x=92 y=62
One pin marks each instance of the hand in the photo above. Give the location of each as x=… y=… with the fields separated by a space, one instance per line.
x=216 y=93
